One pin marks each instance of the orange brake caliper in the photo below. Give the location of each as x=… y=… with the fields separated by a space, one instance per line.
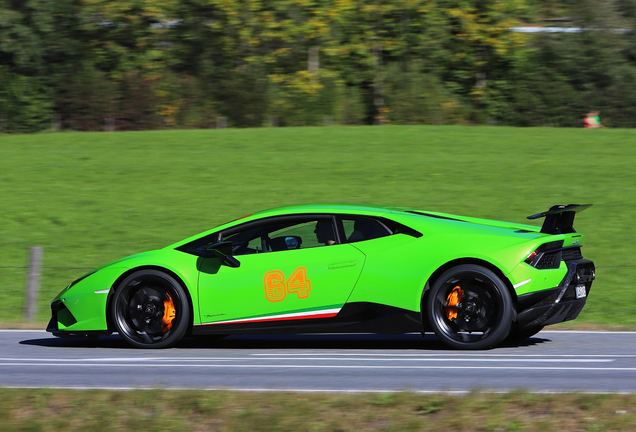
x=452 y=301
x=168 y=314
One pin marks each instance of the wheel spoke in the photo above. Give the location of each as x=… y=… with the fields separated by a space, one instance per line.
x=145 y=337
x=153 y=327
x=154 y=295
x=139 y=298
x=135 y=309
x=468 y=337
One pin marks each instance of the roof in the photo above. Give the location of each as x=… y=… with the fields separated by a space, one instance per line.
x=327 y=208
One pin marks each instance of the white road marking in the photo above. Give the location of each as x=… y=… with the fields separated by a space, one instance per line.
x=451 y=356
x=302 y=390
x=588 y=331
x=23 y=331
x=44 y=332
x=340 y=359
x=362 y=367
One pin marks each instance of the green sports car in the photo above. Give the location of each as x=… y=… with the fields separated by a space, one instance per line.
x=339 y=268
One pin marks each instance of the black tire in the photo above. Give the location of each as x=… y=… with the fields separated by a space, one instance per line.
x=519 y=335
x=470 y=308
x=141 y=309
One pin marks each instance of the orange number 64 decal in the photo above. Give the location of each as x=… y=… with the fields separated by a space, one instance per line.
x=275 y=285
x=276 y=289
x=299 y=283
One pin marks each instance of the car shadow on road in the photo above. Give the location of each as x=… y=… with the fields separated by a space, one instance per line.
x=297 y=341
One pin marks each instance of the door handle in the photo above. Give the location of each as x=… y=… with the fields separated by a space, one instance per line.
x=342 y=264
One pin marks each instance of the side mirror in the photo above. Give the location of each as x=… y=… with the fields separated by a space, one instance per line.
x=223 y=251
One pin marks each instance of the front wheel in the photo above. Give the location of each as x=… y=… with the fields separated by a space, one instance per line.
x=150 y=309
x=469 y=307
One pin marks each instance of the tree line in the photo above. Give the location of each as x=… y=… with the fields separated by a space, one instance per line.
x=148 y=64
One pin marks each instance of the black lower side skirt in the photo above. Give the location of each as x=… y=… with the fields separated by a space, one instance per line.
x=361 y=317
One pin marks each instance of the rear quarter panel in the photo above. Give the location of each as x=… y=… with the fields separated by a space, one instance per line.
x=397 y=267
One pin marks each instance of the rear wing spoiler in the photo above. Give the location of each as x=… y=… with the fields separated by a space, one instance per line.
x=560 y=218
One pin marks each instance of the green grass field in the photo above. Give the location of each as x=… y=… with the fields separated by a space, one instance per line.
x=89 y=198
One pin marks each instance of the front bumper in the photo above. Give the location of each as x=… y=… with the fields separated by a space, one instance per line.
x=559 y=304
x=61 y=314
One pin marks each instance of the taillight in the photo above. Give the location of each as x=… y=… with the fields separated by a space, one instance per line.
x=532 y=256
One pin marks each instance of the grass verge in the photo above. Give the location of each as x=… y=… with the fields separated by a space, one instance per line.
x=160 y=410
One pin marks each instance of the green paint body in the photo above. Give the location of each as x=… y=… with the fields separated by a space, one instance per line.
x=392 y=270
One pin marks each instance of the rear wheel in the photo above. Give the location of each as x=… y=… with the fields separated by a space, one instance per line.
x=150 y=309
x=469 y=307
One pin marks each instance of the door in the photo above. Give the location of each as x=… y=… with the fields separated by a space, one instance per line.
x=291 y=269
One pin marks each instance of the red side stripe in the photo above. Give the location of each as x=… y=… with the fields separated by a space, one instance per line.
x=325 y=315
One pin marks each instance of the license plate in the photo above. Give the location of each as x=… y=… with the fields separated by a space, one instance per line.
x=580 y=291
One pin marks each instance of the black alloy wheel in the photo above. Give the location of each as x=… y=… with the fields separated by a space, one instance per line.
x=469 y=307
x=150 y=309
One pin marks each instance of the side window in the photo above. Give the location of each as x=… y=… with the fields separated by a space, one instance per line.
x=298 y=236
x=361 y=228
x=246 y=242
x=280 y=236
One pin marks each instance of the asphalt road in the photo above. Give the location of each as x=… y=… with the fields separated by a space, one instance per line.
x=552 y=361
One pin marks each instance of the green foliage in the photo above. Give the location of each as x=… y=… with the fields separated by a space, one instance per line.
x=242 y=97
x=35 y=43
x=185 y=102
x=181 y=64
x=567 y=75
x=25 y=103
x=351 y=109
x=306 y=99
x=137 y=110
x=414 y=97
x=85 y=98
x=125 y=36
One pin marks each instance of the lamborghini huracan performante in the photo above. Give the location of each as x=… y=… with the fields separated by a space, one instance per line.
x=341 y=269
